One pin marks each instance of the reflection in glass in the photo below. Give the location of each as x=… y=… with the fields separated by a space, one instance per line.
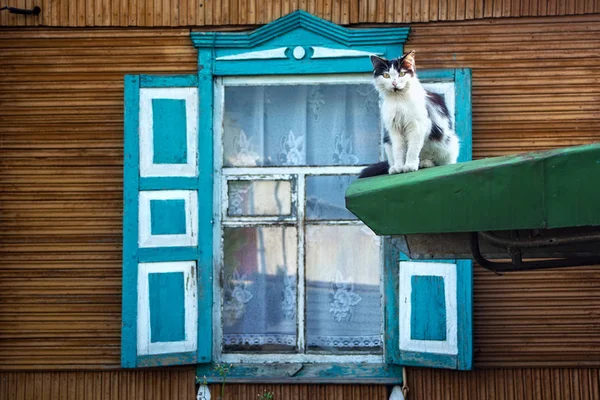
x=259 y=289
x=325 y=197
x=289 y=125
x=343 y=298
x=249 y=198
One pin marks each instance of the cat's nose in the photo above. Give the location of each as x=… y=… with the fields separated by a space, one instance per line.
x=394 y=84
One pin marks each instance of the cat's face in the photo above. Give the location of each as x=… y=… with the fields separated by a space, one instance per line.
x=392 y=76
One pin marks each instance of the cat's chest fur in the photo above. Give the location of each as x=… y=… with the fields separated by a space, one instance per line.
x=397 y=112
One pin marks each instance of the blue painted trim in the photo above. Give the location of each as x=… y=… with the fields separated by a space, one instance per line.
x=132 y=255
x=164 y=254
x=294 y=67
x=130 y=224
x=157 y=81
x=299 y=29
x=161 y=360
x=463 y=114
x=205 y=205
x=437 y=75
x=392 y=255
x=464 y=276
x=301 y=19
x=464 y=281
x=464 y=359
x=382 y=374
x=170 y=183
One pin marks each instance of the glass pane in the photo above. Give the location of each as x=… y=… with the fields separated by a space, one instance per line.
x=249 y=198
x=343 y=298
x=259 y=289
x=325 y=197
x=301 y=125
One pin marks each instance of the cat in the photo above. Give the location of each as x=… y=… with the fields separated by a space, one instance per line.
x=418 y=127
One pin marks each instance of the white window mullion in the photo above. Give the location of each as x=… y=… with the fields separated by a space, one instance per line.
x=218 y=199
x=301 y=294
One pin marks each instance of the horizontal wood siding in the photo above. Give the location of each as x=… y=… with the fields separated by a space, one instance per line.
x=171 y=384
x=424 y=384
x=61 y=189
x=504 y=384
x=178 y=13
x=61 y=118
x=301 y=392
x=536 y=82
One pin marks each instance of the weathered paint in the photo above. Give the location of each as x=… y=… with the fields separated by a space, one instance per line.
x=205 y=205
x=296 y=44
x=458 y=298
x=428 y=311
x=174 y=236
x=130 y=223
x=445 y=319
x=173 y=281
x=303 y=37
x=356 y=373
x=165 y=220
x=525 y=191
x=169 y=131
x=167 y=309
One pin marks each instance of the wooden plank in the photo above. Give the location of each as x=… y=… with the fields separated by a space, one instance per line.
x=345 y=13
x=460 y=10
x=336 y=11
x=251 y=12
x=416 y=11
x=434 y=10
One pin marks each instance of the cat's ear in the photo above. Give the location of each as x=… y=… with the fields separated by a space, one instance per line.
x=407 y=61
x=379 y=62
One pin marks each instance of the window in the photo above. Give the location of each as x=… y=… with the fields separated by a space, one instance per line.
x=299 y=275
x=237 y=246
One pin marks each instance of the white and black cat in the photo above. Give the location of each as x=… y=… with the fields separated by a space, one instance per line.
x=417 y=122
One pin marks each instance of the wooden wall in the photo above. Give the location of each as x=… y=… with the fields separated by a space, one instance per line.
x=178 y=13
x=424 y=384
x=535 y=86
x=173 y=384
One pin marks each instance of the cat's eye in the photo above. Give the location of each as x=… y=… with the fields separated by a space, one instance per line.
x=386 y=75
x=402 y=73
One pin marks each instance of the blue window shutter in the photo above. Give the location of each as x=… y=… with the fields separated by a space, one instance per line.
x=428 y=304
x=167 y=227
x=429 y=313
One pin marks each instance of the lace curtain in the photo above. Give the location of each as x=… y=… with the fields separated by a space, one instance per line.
x=314 y=125
x=301 y=125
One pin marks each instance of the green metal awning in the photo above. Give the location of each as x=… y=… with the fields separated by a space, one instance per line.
x=552 y=189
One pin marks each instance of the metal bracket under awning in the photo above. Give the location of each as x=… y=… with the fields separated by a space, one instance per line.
x=525 y=249
x=536 y=210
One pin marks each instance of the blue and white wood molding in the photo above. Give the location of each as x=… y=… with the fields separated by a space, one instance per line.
x=167 y=224
x=298 y=43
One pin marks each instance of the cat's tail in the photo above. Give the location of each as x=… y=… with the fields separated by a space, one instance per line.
x=380 y=168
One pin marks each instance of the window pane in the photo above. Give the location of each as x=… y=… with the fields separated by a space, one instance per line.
x=301 y=125
x=325 y=197
x=250 y=198
x=259 y=289
x=343 y=298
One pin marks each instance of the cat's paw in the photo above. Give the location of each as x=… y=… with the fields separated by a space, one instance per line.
x=396 y=169
x=410 y=167
x=426 y=164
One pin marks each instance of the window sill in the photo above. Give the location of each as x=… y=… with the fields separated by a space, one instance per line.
x=304 y=373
